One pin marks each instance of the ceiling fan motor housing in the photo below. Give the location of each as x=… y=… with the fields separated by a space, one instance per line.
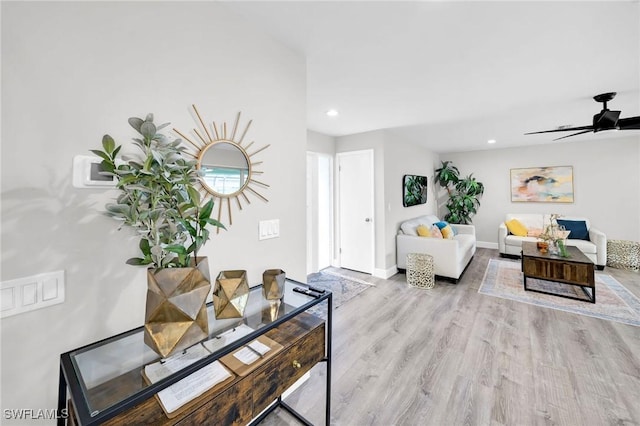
x=605 y=120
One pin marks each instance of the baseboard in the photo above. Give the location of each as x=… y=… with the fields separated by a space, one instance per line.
x=385 y=273
x=484 y=244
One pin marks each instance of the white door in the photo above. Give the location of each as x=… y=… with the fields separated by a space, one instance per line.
x=355 y=198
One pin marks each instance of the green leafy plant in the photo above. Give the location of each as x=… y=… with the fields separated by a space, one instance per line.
x=415 y=190
x=158 y=197
x=464 y=193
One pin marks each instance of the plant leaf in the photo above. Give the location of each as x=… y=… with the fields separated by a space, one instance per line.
x=108 y=144
x=136 y=123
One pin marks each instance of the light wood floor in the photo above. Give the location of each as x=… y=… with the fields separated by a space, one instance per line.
x=451 y=356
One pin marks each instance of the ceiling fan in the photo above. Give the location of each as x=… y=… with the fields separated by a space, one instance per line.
x=604 y=120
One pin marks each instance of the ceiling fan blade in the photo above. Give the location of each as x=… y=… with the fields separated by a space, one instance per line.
x=567 y=129
x=629 y=123
x=573 y=134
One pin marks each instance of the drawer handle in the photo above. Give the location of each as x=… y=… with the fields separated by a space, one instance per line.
x=296 y=364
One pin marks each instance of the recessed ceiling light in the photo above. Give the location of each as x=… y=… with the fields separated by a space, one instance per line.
x=491 y=141
x=332 y=113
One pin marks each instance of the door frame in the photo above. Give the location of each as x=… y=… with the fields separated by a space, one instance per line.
x=313 y=240
x=370 y=153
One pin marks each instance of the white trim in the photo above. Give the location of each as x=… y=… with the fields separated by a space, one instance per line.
x=485 y=244
x=385 y=273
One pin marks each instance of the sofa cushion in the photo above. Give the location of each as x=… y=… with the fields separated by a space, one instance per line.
x=465 y=242
x=578 y=228
x=529 y=220
x=514 y=240
x=584 y=246
x=409 y=226
x=516 y=227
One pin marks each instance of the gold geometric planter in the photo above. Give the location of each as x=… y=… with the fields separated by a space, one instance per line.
x=176 y=313
x=273 y=284
x=230 y=294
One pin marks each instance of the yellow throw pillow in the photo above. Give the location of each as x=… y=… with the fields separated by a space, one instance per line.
x=423 y=231
x=447 y=232
x=516 y=228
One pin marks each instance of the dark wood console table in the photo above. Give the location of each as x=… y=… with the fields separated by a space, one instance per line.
x=104 y=380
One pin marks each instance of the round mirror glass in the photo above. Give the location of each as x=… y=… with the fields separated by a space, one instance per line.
x=225 y=168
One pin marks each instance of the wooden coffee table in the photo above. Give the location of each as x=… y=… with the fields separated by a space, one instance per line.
x=577 y=269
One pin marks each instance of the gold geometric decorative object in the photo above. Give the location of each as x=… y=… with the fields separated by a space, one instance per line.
x=230 y=294
x=226 y=166
x=273 y=284
x=176 y=313
x=272 y=312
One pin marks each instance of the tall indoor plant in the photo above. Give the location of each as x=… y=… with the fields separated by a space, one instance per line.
x=159 y=200
x=464 y=193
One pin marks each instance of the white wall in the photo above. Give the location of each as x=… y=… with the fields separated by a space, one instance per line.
x=321 y=208
x=402 y=158
x=321 y=143
x=606 y=178
x=73 y=71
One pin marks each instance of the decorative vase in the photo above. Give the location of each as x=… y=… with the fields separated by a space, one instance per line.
x=553 y=248
x=562 y=248
x=273 y=284
x=176 y=313
x=230 y=294
x=543 y=246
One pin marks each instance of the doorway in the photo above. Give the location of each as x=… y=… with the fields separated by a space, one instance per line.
x=319 y=211
x=355 y=210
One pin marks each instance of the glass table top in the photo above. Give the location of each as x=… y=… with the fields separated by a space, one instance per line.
x=118 y=362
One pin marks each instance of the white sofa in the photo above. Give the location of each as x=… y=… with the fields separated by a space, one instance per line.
x=511 y=245
x=450 y=256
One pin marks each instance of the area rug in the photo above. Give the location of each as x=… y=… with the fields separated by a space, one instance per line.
x=613 y=302
x=344 y=288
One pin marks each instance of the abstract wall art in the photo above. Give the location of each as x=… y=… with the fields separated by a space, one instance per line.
x=542 y=184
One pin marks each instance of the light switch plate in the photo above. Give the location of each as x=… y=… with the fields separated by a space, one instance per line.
x=31 y=293
x=269 y=229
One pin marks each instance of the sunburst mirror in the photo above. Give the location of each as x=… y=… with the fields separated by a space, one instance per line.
x=226 y=166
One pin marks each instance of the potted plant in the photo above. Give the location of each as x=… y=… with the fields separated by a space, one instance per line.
x=464 y=193
x=159 y=201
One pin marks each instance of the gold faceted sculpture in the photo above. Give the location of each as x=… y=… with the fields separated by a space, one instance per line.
x=230 y=294
x=176 y=313
x=271 y=313
x=273 y=284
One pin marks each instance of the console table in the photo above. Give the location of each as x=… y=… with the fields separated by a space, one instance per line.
x=102 y=383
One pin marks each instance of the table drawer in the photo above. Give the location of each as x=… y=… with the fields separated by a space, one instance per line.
x=287 y=367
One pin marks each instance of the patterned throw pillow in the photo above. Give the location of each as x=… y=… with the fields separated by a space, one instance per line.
x=447 y=230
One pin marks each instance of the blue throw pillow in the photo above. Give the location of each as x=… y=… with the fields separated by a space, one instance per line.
x=578 y=229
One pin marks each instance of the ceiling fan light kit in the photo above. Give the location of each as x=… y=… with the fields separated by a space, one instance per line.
x=604 y=120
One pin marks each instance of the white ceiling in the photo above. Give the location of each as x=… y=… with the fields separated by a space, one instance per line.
x=451 y=75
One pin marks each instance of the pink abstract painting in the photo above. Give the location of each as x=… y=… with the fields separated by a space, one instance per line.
x=542 y=184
